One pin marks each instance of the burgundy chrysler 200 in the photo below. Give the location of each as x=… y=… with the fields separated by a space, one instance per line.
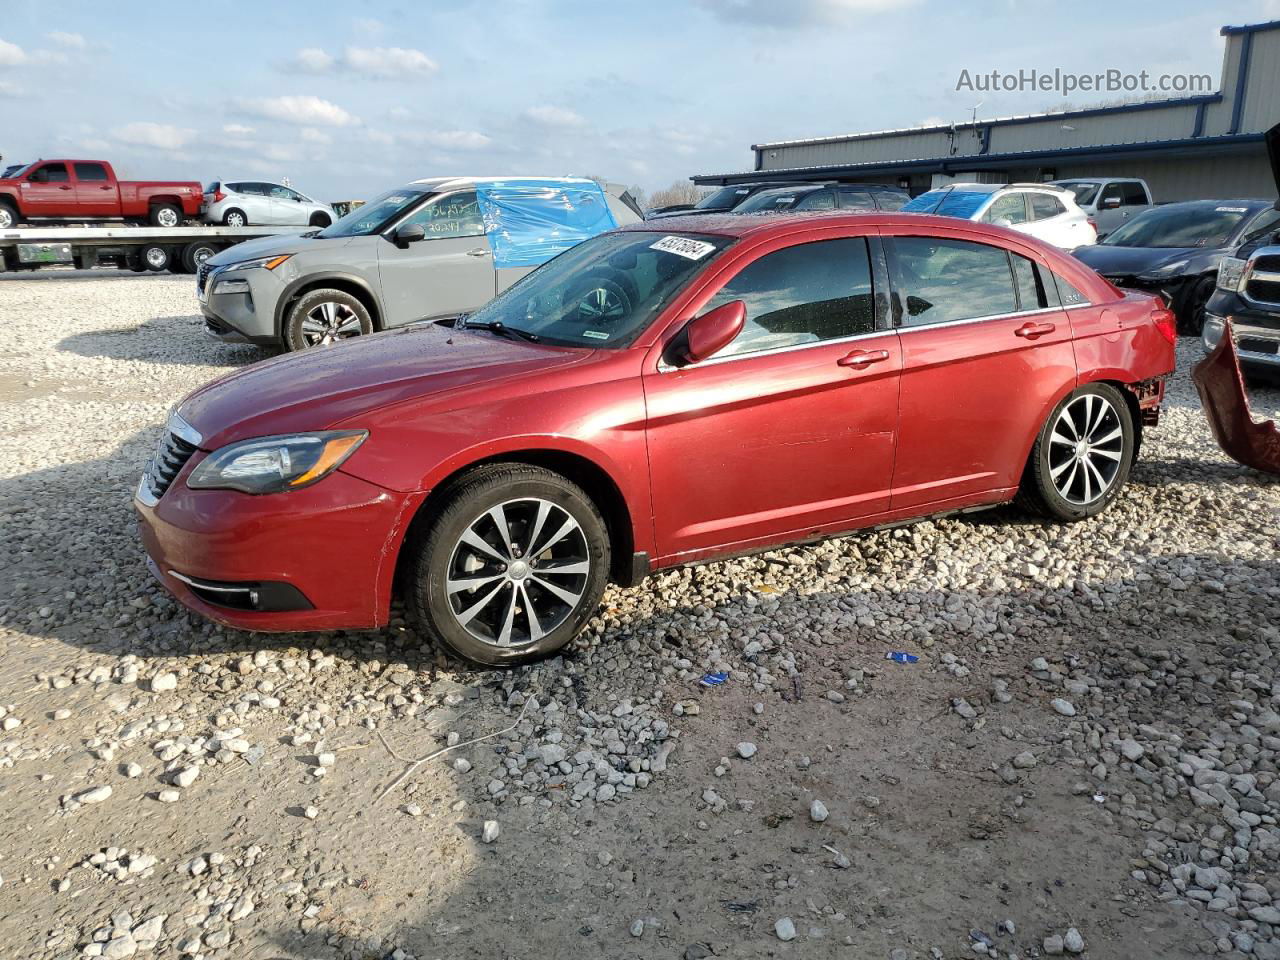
x=650 y=398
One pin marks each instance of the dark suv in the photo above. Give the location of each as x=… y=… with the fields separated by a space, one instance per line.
x=1248 y=292
x=825 y=196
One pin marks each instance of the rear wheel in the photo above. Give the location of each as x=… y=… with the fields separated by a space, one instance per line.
x=1082 y=456
x=155 y=257
x=165 y=215
x=195 y=254
x=324 y=317
x=512 y=566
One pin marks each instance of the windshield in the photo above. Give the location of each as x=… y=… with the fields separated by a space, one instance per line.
x=948 y=202
x=12 y=170
x=726 y=198
x=1085 y=192
x=604 y=291
x=374 y=215
x=1199 y=225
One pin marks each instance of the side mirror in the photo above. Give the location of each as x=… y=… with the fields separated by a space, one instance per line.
x=408 y=233
x=712 y=332
x=1110 y=203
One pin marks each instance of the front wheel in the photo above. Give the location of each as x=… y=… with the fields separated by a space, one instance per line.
x=512 y=566
x=8 y=216
x=320 y=220
x=323 y=317
x=1082 y=456
x=1191 y=316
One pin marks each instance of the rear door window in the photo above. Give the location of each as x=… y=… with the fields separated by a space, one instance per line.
x=855 y=198
x=90 y=172
x=799 y=295
x=942 y=281
x=1010 y=206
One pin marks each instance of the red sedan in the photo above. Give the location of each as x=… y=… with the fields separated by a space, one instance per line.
x=653 y=397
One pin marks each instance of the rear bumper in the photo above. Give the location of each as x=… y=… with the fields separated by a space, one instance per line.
x=320 y=558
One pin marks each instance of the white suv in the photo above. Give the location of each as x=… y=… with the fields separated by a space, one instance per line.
x=1040 y=209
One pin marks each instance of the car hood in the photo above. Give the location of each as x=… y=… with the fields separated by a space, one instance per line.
x=1133 y=261
x=321 y=388
x=269 y=246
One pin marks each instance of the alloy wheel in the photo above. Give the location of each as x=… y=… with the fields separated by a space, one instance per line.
x=328 y=322
x=6 y=218
x=156 y=258
x=1086 y=449
x=518 y=572
x=167 y=218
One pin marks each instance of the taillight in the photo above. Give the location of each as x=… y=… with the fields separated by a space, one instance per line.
x=1166 y=322
x=219 y=196
x=1093 y=223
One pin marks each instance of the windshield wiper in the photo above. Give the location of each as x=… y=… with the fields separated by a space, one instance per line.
x=502 y=330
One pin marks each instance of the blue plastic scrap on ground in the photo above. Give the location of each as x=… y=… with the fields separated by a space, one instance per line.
x=713 y=679
x=897 y=656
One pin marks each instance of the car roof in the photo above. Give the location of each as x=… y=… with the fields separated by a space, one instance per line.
x=737 y=225
x=437 y=184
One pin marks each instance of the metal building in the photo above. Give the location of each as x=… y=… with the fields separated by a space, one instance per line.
x=1185 y=148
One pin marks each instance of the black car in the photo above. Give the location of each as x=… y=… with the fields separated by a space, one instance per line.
x=1174 y=250
x=717 y=201
x=1248 y=291
x=825 y=196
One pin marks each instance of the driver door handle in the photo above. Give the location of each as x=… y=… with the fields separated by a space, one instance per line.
x=861 y=359
x=478 y=252
x=1030 y=331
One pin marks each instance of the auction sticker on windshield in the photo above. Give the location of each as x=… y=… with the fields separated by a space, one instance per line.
x=684 y=247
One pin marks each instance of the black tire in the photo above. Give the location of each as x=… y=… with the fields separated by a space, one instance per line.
x=194 y=254
x=9 y=217
x=346 y=308
x=1191 y=310
x=435 y=551
x=155 y=256
x=1054 y=465
x=320 y=220
x=165 y=215
x=235 y=214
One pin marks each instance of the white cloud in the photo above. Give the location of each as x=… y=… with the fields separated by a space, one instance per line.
x=312 y=135
x=389 y=63
x=311 y=60
x=236 y=130
x=11 y=54
x=551 y=116
x=72 y=41
x=377 y=63
x=161 y=136
x=449 y=139
x=305 y=111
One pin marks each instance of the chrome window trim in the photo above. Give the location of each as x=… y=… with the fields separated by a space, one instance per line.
x=912 y=327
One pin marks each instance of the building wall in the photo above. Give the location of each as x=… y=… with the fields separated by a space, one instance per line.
x=1190 y=178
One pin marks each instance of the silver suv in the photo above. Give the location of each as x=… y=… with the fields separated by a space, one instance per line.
x=431 y=250
x=246 y=202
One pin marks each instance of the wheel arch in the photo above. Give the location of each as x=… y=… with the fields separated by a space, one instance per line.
x=164 y=200
x=594 y=479
x=356 y=286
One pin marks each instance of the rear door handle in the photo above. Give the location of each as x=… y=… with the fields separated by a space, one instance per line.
x=478 y=252
x=64 y=188
x=1032 y=330
x=861 y=359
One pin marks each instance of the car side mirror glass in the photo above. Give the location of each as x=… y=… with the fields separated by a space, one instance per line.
x=408 y=233
x=710 y=333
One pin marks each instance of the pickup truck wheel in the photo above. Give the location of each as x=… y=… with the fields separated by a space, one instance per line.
x=165 y=215
x=512 y=566
x=155 y=257
x=195 y=254
x=8 y=216
x=1082 y=456
x=235 y=218
x=323 y=317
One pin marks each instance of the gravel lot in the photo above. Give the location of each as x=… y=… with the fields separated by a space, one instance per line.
x=1084 y=759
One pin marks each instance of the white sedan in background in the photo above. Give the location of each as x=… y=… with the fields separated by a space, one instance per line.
x=1047 y=212
x=240 y=203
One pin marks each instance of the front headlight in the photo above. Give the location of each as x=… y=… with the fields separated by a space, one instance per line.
x=267 y=263
x=1230 y=272
x=276 y=464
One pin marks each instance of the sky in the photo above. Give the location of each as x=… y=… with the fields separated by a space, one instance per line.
x=348 y=99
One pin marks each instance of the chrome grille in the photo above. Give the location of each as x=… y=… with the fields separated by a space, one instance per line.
x=1263 y=284
x=179 y=441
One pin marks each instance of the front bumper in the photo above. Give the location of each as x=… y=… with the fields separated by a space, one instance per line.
x=325 y=554
x=240 y=305
x=1257 y=332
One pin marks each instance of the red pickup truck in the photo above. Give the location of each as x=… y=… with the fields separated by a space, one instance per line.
x=79 y=190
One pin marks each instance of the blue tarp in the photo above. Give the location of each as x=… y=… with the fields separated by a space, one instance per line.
x=529 y=221
x=948 y=202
